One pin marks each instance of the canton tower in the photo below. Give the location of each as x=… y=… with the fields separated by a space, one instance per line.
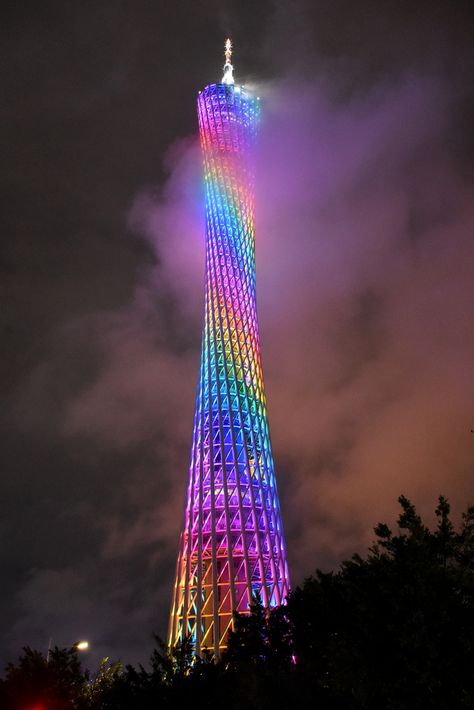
x=232 y=545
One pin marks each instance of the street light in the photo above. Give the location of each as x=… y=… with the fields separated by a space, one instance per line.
x=78 y=646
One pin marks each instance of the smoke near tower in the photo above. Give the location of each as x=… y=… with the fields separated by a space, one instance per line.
x=232 y=543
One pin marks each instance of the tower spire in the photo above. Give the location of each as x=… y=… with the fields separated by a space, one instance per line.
x=228 y=77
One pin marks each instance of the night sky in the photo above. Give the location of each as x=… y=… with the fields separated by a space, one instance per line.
x=365 y=273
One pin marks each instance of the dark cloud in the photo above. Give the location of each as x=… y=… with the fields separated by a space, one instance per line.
x=364 y=262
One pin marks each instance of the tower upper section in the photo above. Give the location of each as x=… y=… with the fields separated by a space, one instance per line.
x=228 y=118
x=228 y=114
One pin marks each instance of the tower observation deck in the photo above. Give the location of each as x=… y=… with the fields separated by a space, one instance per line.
x=232 y=544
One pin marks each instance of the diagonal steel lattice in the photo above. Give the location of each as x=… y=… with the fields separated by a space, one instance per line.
x=232 y=543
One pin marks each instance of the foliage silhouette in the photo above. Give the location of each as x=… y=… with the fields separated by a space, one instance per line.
x=55 y=682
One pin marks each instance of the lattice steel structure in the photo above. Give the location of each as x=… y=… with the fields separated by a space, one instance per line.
x=232 y=543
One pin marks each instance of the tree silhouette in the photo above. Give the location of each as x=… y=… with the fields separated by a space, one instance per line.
x=53 y=683
x=394 y=630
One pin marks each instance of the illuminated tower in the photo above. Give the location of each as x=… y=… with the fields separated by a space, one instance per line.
x=232 y=543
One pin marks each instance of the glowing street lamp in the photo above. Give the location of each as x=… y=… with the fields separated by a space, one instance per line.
x=78 y=646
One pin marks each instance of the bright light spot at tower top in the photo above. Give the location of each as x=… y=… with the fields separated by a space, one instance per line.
x=228 y=77
x=228 y=49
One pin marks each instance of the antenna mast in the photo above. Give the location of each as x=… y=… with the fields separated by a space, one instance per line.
x=228 y=77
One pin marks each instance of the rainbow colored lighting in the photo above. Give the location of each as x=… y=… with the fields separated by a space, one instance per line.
x=232 y=543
